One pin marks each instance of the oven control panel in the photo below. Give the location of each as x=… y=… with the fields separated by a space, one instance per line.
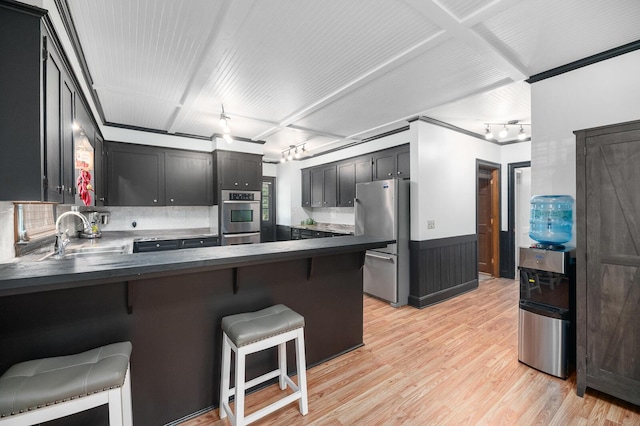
x=242 y=196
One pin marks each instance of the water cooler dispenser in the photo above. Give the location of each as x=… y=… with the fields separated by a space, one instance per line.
x=546 y=326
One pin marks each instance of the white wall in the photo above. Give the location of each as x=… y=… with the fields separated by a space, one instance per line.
x=607 y=92
x=443 y=180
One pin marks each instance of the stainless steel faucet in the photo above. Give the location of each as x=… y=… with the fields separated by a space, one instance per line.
x=62 y=238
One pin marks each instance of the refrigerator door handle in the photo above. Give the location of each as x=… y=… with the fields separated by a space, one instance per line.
x=390 y=259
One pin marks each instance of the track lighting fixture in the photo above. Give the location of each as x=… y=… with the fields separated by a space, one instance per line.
x=294 y=152
x=504 y=132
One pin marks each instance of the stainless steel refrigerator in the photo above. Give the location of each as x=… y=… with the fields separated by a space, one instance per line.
x=382 y=210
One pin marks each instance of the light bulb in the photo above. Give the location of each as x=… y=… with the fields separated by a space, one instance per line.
x=297 y=154
x=289 y=156
x=227 y=137
x=503 y=133
x=488 y=134
x=282 y=160
x=521 y=134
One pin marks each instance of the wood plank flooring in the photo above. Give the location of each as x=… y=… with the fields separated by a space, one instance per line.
x=453 y=363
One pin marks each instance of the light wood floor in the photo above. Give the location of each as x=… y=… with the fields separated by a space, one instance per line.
x=453 y=363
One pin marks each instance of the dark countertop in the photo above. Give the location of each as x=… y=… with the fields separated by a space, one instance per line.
x=53 y=274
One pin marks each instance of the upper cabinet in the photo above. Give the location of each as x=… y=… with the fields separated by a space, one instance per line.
x=40 y=101
x=139 y=175
x=334 y=184
x=393 y=162
x=238 y=170
x=323 y=186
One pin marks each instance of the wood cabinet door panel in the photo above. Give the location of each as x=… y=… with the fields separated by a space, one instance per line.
x=306 y=188
x=384 y=166
x=330 y=186
x=136 y=176
x=53 y=132
x=613 y=264
x=346 y=184
x=317 y=187
x=188 y=179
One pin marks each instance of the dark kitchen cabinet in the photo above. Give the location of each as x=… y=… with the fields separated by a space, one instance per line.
x=140 y=175
x=363 y=169
x=323 y=186
x=346 y=183
x=135 y=175
x=99 y=174
x=38 y=102
x=238 y=170
x=306 y=188
x=393 y=162
x=607 y=259
x=189 y=178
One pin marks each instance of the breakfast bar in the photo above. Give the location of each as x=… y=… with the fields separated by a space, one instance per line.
x=170 y=305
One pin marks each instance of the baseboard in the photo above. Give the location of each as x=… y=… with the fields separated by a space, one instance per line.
x=440 y=296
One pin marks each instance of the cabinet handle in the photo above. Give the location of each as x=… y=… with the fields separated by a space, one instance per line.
x=246 y=184
x=158 y=245
x=236 y=184
x=390 y=174
x=399 y=173
x=172 y=200
x=155 y=201
x=101 y=198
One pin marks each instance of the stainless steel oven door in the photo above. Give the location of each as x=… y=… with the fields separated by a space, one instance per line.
x=240 y=216
x=244 y=238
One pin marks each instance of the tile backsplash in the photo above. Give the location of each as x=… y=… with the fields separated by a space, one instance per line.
x=151 y=218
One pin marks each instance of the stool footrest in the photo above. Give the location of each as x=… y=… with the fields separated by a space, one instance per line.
x=272 y=407
x=251 y=383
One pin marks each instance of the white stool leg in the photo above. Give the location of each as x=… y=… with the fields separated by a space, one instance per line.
x=282 y=361
x=224 y=376
x=301 y=365
x=239 y=394
x=115 y=407
x=125 y=394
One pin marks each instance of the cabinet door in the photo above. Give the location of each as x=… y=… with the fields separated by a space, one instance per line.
x=363 y=169
x=98 y=171
x=188 y=178
x=53 y=131
x=251 y=172
x=346 y=184
x=384 y=165
x=135 y=175
x=330 y=186
x=402 y=161
x=317 y=187
x=306 y=188
x=66 y=151
x=229 y=171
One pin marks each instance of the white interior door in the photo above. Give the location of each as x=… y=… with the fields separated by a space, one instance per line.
x=522 y=209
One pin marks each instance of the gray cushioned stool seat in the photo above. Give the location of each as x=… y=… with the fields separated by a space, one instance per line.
x=250 y=327
x=32 y=384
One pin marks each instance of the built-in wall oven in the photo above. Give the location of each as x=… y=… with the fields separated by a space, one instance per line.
x=239 y=217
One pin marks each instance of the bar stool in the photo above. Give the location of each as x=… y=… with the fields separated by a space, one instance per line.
x=251 y=332
x=45 y=389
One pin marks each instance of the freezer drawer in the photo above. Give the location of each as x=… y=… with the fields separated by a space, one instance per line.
x=543 y=343
x=380 y=276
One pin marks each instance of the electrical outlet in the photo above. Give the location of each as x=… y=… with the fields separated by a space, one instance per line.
x=431 y=224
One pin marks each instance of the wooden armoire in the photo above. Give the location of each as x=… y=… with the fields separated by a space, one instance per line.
x=608 y=260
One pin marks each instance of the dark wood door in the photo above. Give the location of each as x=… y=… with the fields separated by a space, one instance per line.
x=363 y=169
x=402 y=160
x=53 y=79
x=136 y=175
x=609 y=294
x=330 y=186
x=306 y=188
x=346 y=184
x=188 y=178
x=384 y=165
x=484 y=221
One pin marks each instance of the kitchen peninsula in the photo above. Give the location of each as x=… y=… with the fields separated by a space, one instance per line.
x=170 y=304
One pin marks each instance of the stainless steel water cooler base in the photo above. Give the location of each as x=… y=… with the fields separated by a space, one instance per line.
x=543 y=343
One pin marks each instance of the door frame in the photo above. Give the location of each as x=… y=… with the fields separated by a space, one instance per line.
x=496 y=172
x=509 y=271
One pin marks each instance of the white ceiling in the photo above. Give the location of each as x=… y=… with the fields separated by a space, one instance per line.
x=332 y=72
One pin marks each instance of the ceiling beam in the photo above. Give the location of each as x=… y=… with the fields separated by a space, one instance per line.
x=462 y=31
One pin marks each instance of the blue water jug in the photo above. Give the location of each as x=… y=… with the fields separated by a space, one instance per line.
x=551 y=218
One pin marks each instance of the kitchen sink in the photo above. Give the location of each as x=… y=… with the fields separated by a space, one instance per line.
x=90 y=251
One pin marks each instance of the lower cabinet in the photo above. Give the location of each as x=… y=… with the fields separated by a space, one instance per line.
x=177 y=244
x=303 y=234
